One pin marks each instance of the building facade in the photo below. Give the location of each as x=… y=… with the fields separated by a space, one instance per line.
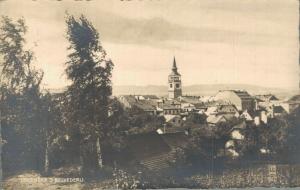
x=241 y=99
x=174 y=83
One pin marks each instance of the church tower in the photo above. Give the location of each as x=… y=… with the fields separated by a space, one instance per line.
x=174 y=89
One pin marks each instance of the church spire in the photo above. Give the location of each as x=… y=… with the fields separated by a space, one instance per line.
x=174 y=68
x=174 y=63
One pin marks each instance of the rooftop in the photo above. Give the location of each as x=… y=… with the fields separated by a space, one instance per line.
x=295 y=98
x=170 y=117
x=279 y=109
x=240 y=93
x=214 y=119
x=174 y=68
x=266 y=97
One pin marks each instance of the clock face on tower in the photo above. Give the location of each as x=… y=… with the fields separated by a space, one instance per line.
x=174 y=81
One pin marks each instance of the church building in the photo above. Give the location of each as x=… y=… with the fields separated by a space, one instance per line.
x=174 y=83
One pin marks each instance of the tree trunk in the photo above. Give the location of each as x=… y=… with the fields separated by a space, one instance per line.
x=46 y=165
x=1 y=141
x=99 y=155
x=81 y=159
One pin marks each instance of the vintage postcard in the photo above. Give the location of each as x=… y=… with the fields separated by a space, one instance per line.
x=149 y=94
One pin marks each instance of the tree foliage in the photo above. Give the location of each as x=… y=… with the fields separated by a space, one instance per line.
x=21 y=99
x=17 y=71
x=90 y=72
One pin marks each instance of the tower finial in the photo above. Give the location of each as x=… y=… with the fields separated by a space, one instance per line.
x=174 y=68
x=174 y=63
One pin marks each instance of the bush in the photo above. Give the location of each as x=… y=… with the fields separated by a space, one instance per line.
x=124 y=180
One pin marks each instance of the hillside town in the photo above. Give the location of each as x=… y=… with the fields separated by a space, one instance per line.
x=225 y=106
x=85 y=136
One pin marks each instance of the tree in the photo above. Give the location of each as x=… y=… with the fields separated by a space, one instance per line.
x=53 y=126
x=21 y=98
x=142 y=122
x=195 y=118
x=293 y=140
x=90 y=72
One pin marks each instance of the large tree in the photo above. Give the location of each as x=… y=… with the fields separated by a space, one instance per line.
x=90 y=72
x=20 y=99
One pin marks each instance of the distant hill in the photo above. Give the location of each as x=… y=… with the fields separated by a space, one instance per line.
x=201 y=90
x=295 y=98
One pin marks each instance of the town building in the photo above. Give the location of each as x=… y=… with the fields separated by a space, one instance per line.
x=146 y=97
x=237 y=135
x=266 y=100
x=173 y=120
x=267 y=97
x=237 y=131
x=227 y=110
x=145 y=104
x=174 y=83
x=190 y=99
x=127 y=101
x=171 y=109
x=291 y=104
x=257 y=117
x=187 y=107
x=240 y=98
x=214 y=120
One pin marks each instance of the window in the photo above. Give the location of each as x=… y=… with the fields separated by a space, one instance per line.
x=171 y=85
x=177 y=85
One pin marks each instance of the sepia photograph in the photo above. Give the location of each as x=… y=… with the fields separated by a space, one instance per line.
x=149 y=94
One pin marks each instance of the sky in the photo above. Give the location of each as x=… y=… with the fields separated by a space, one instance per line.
x=214 y=42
